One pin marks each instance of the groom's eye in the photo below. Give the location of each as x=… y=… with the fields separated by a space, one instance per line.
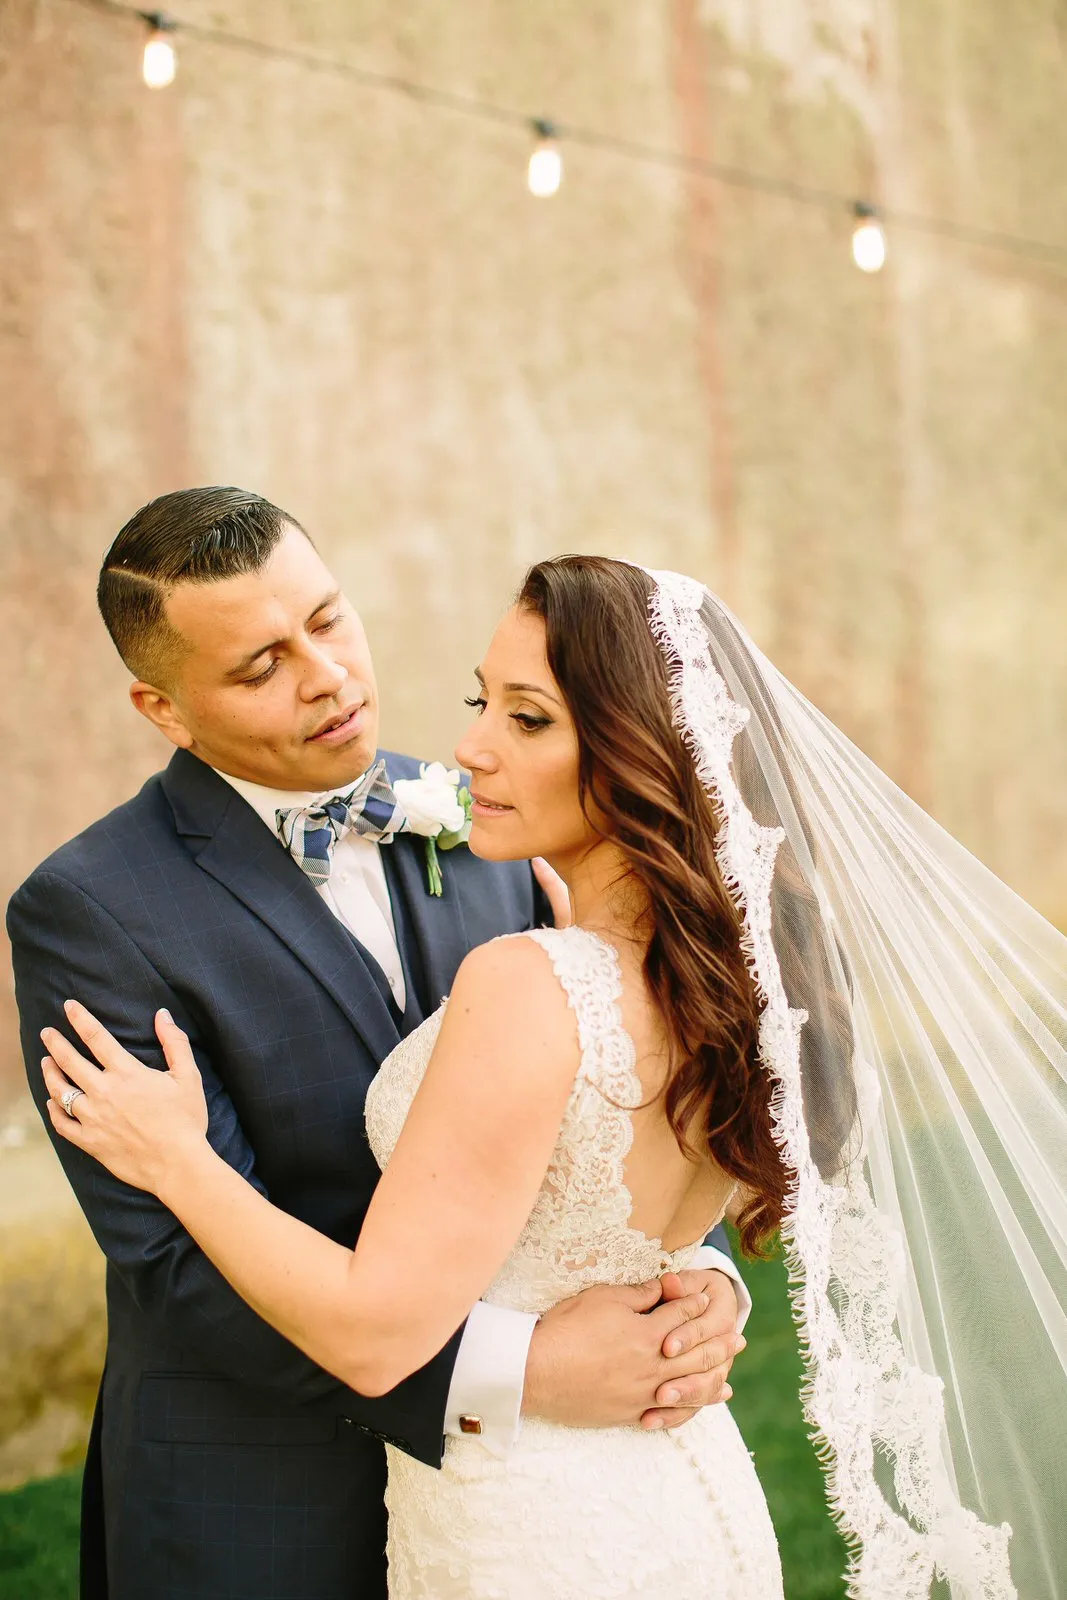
x=268 y=672
x=330 y=622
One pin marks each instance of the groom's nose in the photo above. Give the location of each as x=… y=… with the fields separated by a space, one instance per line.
x=323 y=676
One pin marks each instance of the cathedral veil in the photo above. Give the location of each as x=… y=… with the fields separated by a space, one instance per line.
x=914 y=1020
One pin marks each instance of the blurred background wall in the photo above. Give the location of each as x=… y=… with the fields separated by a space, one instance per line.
x=346 y=298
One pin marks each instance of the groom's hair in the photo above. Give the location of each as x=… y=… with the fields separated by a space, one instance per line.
x=190 y=536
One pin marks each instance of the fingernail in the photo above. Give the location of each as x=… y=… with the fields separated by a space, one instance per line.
x=674 y=1347
x=656 y=1422
x=727 y=1392
x=671 y=1397
x=165 y=1014
x=68 y=1005
x=705 y=1301
x=742 y=1342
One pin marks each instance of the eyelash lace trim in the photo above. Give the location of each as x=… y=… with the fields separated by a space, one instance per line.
x=862 y=1395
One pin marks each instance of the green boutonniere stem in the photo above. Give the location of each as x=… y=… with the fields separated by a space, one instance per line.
x=447 y=841
x=433 y=868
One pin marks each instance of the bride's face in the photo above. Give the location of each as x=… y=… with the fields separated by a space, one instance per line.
x=522 y=754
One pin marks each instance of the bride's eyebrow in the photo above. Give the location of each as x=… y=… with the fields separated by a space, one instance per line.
x=521 y=688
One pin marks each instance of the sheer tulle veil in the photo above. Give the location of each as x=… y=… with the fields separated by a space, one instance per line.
x=914 y=1020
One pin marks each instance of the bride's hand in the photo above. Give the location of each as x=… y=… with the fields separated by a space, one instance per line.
x=135 y=1120
x=556 y=892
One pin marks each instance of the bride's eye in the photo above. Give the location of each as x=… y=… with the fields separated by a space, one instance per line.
x=475 y=705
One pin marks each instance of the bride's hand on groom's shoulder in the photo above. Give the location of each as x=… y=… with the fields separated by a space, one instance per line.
x=555 y=891
x=598 y=1361
x=139 y=1122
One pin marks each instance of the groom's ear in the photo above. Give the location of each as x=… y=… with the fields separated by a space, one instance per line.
x=161 y=711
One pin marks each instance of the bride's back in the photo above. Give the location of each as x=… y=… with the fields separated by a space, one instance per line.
x=676 y=1197
x=619 y=1202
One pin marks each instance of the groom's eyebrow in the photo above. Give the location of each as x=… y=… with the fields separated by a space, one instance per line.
x=254 y=655
x=520 y=688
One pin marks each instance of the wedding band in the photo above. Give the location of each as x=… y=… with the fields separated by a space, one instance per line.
x=67 y=1099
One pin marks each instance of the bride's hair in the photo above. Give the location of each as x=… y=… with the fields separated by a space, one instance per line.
x=639 y=786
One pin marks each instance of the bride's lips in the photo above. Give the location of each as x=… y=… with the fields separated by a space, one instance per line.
x=341 y=728
x=481 y=807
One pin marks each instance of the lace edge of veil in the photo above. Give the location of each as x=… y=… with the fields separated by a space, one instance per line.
x=861 y=1394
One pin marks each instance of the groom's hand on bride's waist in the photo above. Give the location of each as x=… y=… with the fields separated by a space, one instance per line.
x=680 y=1398
x=600 y=1361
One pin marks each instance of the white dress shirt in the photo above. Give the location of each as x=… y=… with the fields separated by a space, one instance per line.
x=490 y=1369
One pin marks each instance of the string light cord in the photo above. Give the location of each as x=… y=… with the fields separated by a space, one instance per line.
x=591 y=138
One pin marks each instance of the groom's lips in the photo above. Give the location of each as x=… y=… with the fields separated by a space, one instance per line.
x=339 y=729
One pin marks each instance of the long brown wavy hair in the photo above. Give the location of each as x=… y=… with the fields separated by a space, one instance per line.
x=640 y=787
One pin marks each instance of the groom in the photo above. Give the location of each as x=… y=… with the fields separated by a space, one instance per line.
x=223 y=1463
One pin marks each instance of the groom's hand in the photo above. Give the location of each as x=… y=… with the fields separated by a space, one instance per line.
x=597 y=1361
x=681 y=1398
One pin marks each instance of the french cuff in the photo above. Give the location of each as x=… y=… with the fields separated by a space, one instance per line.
x=709 y=1259
x=485 y=1396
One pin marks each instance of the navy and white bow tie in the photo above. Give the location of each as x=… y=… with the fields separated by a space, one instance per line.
x=371 y=809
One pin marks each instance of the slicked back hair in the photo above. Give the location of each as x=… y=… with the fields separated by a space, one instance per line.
x=190 y=536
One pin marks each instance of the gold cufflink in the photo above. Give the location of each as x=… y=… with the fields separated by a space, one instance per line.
x=469 y=1424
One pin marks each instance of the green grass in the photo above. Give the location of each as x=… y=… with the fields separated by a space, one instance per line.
x=39 y=1523
x=766 y=1404
x=39 y=1540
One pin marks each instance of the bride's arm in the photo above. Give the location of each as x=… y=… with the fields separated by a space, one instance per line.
x=449 y=1207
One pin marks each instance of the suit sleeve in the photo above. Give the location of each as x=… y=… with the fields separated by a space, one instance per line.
x=718 y=1239
x=66 y=945
x=715 y=1253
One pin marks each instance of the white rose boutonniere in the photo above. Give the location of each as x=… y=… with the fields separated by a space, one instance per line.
x=437 y=809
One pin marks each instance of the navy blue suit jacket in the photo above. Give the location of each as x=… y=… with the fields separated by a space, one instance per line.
x=224 y=1463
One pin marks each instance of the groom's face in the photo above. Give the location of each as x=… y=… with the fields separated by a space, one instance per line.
x=274 y=681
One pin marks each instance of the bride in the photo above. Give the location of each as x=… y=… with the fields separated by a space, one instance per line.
x=786 y=997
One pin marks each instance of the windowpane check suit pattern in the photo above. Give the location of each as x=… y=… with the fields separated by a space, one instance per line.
x=224 y=1465
x=223 y=1462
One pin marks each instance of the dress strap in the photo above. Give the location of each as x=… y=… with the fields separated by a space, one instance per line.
x=590 y=975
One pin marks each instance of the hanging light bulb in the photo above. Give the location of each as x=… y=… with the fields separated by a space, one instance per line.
x=868 y=240
x=160 y=60
x=545 y=172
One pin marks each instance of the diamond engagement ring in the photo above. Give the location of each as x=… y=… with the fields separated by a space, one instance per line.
x=67 y=1099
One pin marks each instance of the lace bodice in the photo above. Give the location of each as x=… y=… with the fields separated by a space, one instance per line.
x=576 y=1513
x=579 y=1231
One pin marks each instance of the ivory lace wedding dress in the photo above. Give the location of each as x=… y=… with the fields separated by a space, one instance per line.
x=576 y=1514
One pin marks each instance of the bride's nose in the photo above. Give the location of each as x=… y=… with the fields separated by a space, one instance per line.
x=473 y=753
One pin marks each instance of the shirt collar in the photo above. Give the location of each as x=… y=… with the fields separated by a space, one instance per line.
x=266 y=803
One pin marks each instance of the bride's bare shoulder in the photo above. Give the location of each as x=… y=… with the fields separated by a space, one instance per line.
x=510 y=984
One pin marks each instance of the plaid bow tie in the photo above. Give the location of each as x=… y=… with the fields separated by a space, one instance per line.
x=309 y=833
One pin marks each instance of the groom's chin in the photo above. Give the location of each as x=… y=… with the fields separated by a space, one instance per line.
x=333 y=769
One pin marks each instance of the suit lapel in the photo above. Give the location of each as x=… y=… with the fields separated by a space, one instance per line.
x=231 y=843
x=436 y=923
